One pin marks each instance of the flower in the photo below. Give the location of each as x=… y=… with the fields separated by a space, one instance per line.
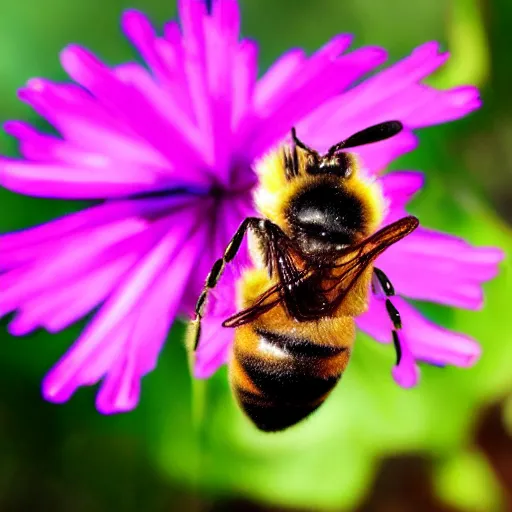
x=169 y=150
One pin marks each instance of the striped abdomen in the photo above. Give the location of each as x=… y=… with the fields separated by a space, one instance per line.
x=280 y=379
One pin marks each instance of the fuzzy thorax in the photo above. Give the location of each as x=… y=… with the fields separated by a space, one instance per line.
x=276 y=190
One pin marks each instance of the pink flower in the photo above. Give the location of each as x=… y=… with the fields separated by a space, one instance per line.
x=169 y=149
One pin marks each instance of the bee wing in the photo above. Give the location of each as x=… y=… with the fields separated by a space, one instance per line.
x=281 y=256
x=251 y=313
x=291 y=278
x=376 y=244
x=363 y=255
x=266 y=301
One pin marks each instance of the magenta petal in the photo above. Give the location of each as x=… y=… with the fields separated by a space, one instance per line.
x=103 y=214
x=425 y=340
x=400 y=186
x=244 y=80
x=215 y=347
x=160 y=306
x=216 y=341
x=57 y=307
x=166 y=100
x=84 y=122
x=121 y=388
x=440 y=268
x=66 y=261
x=232 y=214
x=73 y=369
x=277 y=78
x=42 y=148
x=394 y=93
x=390 y=84
x=54 y=180
x=430 y=106
x=142 y=117
x=406 y=372
x=293 y=70
x=376 y=157
x=139 y=30
x=431 y=343
x=321 y=78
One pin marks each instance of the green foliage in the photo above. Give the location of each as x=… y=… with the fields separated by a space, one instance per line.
x=71 y=454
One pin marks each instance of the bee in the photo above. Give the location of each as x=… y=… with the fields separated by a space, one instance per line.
x=313 y=248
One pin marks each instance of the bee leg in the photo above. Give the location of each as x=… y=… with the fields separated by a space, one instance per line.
x=381 y=285
x=216 y=272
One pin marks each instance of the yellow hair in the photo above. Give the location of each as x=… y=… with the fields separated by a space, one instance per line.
x=275 y=191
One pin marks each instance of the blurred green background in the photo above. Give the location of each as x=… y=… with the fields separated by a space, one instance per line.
x=444 y=446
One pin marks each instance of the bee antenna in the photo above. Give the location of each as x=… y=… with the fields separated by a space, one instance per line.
x=301 y=144
x=376 y=133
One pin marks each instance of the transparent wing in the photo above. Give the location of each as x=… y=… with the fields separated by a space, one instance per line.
x=296 y=288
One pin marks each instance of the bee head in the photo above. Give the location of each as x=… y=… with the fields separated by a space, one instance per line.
x=338 y=163
x=334 y=162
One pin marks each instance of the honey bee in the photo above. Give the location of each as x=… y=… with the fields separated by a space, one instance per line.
x=313 y=250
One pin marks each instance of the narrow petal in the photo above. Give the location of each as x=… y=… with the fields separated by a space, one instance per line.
x=351 y=67
x=162 y=133
x=67 y=261
x=73 y=369
x=405 y=372
x=160 y=312
x=399 y=187
x=223 y=224
x=319 y=78
x=440 y=268
x=85 y=122
x=140 y=32
x=214 y=350
x=61 y=181
x=215 y=343
x=322 y=77
x=90 y=217
x=275 y=93
x=425 y=340
x=120 y=389
x=277 y=77
x=376 y=157
x=221 y=33
x=245 y=72
x=394 y=93
x=192 y=16
x=59 y=306
x=48 y=149
x=165 y=100
x=40 y=147
x=226 y=15
x=216 y=340
x=55 y=264
x=388 y=85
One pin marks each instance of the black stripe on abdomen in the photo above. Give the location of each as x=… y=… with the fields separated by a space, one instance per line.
x=291 y=384
x=286 y=382
x=273 y=416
